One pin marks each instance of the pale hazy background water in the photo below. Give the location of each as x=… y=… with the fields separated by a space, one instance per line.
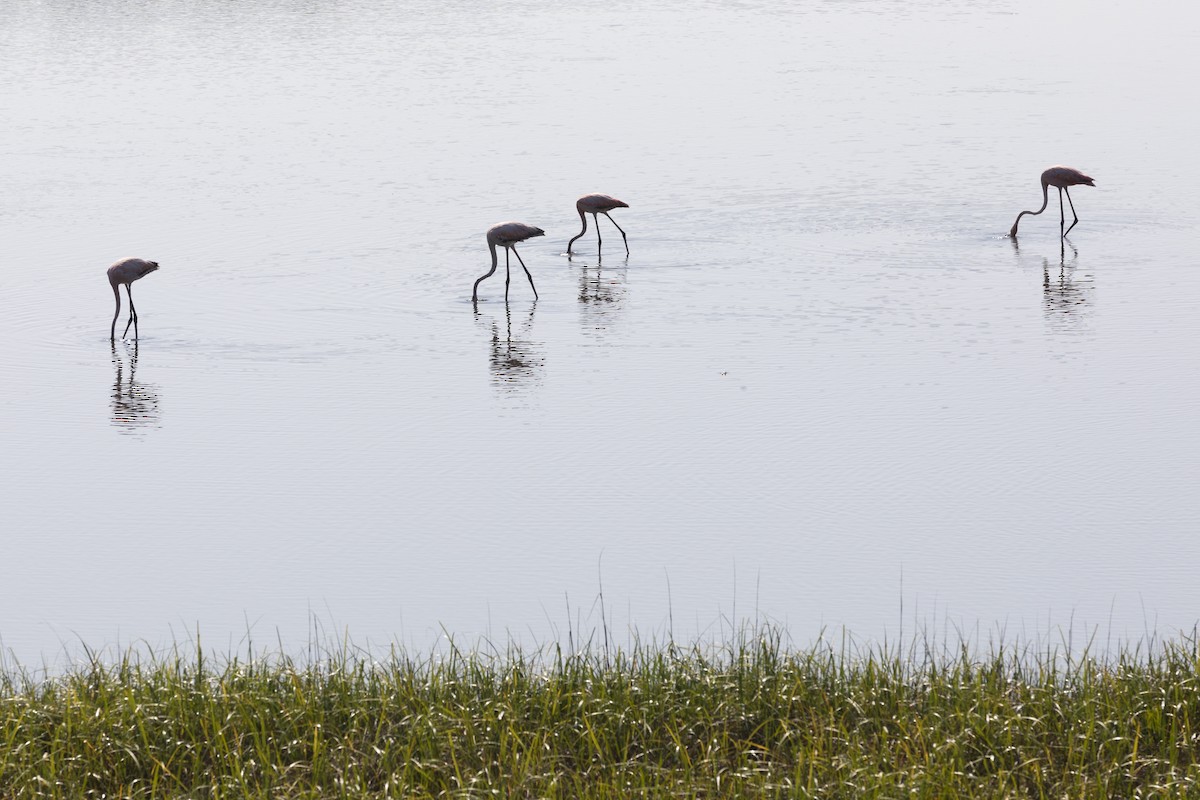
x=824 y=389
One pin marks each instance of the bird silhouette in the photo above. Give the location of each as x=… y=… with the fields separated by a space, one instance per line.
x=126 y=271
x=1061 y=177
x=507 y=234
x=596 y=204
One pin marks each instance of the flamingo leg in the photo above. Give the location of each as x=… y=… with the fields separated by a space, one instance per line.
x=1073 y=214
x=527 y=275
x=1062 y=215
x=623 y=237
x=599 y=241
x=132 y=313
x=507 y=274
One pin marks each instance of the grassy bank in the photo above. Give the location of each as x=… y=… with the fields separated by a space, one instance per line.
x=757 y=719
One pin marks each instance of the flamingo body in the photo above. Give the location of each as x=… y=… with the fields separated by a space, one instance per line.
x=596 y=204
x=126 y=271
x=506 y=235
x=1061 y=178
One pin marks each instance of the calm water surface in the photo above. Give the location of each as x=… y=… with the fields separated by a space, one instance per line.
x=823 y=389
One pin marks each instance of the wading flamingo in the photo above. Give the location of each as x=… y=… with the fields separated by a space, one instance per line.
x=126 y=271
x=595 y=204
x=1061 y=177
x=507 y=234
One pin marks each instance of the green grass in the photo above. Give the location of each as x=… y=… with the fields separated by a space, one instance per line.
x=752 y=720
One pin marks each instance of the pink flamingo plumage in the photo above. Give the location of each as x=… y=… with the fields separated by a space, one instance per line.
x=596 y=204
x=126 y=271
x=507 y=234
x=1061 y=177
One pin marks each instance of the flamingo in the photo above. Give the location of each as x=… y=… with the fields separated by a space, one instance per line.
x=507 y=234
x=126 y=271
x=1061 y=177
x=595 y=204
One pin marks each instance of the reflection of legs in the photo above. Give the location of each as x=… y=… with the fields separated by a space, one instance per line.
x=120 y=370
x=508 y=332
x=132 y=314
x=507 y=274
x=1073 y=214
x=623 y=237
x=527 y=275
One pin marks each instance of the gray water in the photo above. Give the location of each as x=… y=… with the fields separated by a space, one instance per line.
x=824 y=389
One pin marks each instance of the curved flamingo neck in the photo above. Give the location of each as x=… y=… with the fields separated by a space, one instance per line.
x=1045 y=201
x=583 y=217
x=475 y=289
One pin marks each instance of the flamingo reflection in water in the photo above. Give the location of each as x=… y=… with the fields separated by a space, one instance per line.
x=601 y=294
x=513 y=360
x=135 y=405
x=1066 y=300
